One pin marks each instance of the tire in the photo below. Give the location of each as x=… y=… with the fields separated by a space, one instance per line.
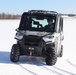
x=51 y=58
x=61 y=53
x=15 y=53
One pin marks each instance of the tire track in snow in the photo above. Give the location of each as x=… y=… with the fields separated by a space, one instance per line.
x=39 y=65
x=51 y=69
x=33 y=62
x=27 y=70
x=64 y=71
x=57 y=70
x=24 y=70
x=42 y=65
x=71 y=63
x=68 y=63
x=18 y=64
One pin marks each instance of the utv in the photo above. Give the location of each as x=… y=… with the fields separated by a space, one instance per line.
x=40 y=33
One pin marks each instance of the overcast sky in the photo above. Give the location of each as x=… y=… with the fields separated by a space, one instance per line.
x=19 y=6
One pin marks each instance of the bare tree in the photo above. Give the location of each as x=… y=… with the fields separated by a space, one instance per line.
x=9 y=16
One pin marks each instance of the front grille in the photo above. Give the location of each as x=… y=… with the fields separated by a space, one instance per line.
x=32 y=44
x=32 y=40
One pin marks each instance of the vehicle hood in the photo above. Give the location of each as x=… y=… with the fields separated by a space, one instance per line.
x=35 y=33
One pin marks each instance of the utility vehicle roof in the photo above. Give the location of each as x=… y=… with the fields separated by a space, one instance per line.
x=42 y=12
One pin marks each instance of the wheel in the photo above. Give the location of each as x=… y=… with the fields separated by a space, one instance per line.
x=51 y=57
x=15 y=53
x=61 y=53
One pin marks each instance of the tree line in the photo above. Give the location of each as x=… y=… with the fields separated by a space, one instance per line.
x=13 y=16
x=9 y=16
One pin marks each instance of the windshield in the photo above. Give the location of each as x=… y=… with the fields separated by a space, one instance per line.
x=38 y=23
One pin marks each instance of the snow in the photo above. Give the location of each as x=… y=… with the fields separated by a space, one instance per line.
x=35 y=65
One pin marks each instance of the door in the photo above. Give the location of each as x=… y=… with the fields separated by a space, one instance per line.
x=59 y=35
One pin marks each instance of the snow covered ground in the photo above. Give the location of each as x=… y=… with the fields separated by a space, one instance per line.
x=36 y=66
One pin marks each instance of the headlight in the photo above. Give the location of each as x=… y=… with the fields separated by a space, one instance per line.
x=48 y=38
x=19 y=36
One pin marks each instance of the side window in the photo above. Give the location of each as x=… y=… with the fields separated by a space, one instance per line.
x=61 y=25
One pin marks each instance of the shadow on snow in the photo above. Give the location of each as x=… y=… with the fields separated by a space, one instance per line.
x=5 y=58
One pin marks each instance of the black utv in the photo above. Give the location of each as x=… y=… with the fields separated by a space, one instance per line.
x=40 y=33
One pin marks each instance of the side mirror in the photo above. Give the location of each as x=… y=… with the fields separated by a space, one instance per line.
x=17 y=30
